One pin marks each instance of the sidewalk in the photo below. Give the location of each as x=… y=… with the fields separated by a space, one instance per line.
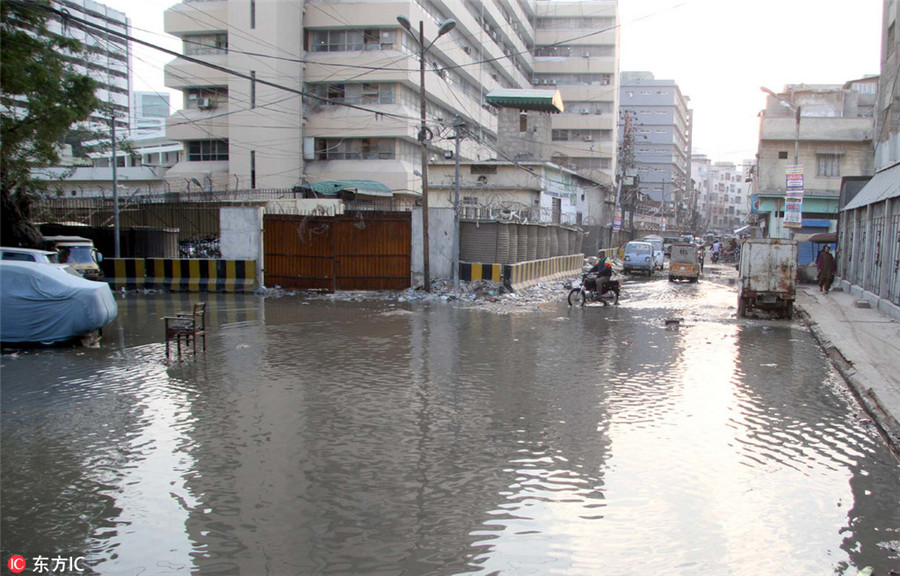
x=864 y=345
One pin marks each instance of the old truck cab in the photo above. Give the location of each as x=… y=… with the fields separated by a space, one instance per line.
x=77 y=252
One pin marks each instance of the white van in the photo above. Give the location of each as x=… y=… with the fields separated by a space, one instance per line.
x=659 y=254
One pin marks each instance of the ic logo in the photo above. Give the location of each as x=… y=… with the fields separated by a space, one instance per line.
x=16 y=564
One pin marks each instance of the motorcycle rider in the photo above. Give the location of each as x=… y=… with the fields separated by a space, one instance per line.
x=603 y=270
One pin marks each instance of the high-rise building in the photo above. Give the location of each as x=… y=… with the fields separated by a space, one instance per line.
x=106 y=57
x=309 y=91
x=661 y=123
x=576 y=51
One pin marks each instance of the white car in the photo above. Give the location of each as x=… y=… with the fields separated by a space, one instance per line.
x=28 y=255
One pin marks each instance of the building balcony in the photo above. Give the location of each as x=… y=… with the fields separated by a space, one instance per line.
x=198 y=17
x=817 y=129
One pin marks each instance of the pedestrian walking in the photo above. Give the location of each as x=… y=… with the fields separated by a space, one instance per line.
x=826 y=267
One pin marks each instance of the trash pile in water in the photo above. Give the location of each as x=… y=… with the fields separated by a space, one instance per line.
x=482 y=293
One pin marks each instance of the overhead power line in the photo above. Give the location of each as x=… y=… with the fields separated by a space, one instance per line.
x=84 y=23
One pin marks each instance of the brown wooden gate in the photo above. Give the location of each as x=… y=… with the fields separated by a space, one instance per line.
x=362 y=251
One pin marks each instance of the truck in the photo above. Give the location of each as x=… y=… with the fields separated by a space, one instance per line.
x=768 y=276
x=79 y=253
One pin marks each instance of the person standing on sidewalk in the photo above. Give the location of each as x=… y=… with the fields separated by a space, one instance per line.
x=826 y=267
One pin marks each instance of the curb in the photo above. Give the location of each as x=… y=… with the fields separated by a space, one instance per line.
x=886 y=424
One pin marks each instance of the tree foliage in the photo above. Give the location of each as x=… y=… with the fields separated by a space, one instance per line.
x=41 y=97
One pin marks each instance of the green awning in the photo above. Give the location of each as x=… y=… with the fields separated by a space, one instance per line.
x=539 y=100
x=333 y=188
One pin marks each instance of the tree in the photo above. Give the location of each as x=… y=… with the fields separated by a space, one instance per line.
x=41 y=97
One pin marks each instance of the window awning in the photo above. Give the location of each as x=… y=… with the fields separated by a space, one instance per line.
x=539 y=100
x=884 y=185
x=333 y=188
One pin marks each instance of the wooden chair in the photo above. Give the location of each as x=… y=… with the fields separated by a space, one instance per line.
x=189 y=326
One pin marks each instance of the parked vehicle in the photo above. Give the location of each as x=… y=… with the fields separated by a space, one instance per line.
x=684 y=263
x=48 y=304
x=79 y=253
x=659 y=254
x=28 y=255
x=638 y=257
x=768 y=276
x=587 y=291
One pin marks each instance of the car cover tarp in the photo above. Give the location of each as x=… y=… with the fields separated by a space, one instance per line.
x=45 y=303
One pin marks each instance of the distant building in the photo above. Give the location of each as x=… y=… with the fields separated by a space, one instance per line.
x=832 y=137
x=578 y=55
x=149 y=113
x=661 y=125
x=106 y=59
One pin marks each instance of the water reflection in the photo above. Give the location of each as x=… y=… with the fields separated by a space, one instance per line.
x=321 y=437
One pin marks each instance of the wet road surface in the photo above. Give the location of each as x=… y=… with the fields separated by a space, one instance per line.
x=320 y=436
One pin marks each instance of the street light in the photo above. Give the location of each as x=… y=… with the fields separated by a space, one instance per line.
x=796 y=111
x=445 y=27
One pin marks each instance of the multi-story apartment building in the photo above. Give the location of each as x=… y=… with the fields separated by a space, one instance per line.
x=727 y=202
x=576 y=51
x=106 y=58
x=829 y=128
x=700 y=170
x=316 y=90
x=660 y=122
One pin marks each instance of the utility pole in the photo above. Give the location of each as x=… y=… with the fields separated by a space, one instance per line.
x=457 y=125
x=115 y=184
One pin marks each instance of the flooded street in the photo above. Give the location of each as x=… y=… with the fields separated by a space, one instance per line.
x=380 y=437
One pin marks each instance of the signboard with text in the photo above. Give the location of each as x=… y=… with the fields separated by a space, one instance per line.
x=793 y=201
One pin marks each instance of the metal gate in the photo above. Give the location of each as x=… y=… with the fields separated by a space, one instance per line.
x=359 y=251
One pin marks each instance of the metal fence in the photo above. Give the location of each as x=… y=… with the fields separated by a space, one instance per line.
x=195 y=214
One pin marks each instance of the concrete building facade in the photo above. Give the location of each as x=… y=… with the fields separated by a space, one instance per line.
x=576 y=52
x=661 y=124
x=309 y=91
x=833 y=137
x=106 y=57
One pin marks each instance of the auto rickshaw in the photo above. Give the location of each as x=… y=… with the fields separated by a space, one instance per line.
x=684 y=262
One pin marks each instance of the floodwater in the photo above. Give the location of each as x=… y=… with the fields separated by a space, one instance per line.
x=377 y=437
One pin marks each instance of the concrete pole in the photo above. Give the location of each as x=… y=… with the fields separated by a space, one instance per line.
x=423 y=138
x=115 y=185
x=457 y=124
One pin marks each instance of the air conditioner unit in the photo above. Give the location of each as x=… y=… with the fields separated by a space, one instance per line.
x=587 y=54
x=585 y=111
x=204 y=103
x=588 y=138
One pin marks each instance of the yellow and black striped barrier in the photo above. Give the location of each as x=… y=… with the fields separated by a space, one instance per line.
x=127 y=273
x=181 y=274
x=469 y=271
x=525 y=274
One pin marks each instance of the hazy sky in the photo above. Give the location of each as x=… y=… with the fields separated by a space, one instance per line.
x=719 y=52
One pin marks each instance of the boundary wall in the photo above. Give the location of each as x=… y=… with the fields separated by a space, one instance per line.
x=181 y=274
x=523 y=274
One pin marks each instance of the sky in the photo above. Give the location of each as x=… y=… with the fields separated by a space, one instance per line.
x=719 y=52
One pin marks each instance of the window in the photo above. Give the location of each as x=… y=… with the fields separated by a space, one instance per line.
x=252 y=14
x=207 y=97
x=523 y=122
x=828 y=165
x=253 y=89
x=205 y=44
x=782 y=155
x=253 y=169
x=355 y=149
x=347 y=40
x=207 y=150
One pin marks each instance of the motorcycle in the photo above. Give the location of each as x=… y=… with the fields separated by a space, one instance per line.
x=586 y=291
x=715 y=257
